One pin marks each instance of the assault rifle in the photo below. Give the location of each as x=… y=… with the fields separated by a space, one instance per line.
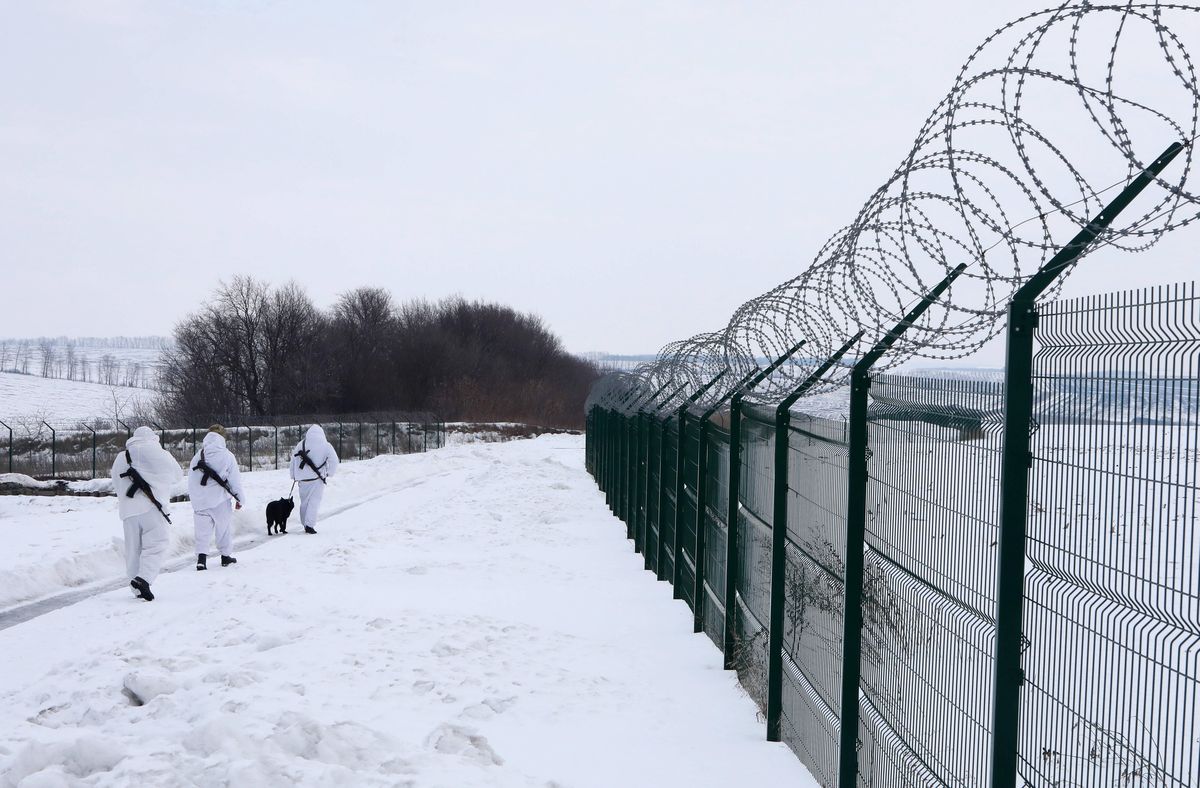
x=138 y=482
x=207 y=473
x=305 y=459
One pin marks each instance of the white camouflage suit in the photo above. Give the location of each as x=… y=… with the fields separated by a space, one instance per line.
x=145 y=528
x=212 y=511
x=312 y=489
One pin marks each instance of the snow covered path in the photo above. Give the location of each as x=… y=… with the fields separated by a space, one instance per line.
x=487 y=624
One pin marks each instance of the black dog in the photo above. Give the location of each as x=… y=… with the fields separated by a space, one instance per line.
x=278 y=513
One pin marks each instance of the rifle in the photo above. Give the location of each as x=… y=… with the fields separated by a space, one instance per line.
x=305 y=459
x=138 y=482
x=208 y=473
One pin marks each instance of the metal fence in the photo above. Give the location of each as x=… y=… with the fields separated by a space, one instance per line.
x=84 y=450
x=958 y=575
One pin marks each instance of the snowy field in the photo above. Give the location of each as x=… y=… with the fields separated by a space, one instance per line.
x=63 y=402
x=469 y=617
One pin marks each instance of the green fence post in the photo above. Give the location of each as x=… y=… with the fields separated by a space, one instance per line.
x=1016 y=461
x=644 y=432
x=614 y=462
x=10 y=446
x=680 y=460
x=856 y=527
x=89 y=429
x=664 y=430
x=778 y=572
x=644 y=515
x=631 y=498
x=631 y=448
x=615 y=445
x=249 y=447
x=729 y=644
x=699 y=595
x=622 y=469
x=605 y=456
x=53 y=452
x=639 y=480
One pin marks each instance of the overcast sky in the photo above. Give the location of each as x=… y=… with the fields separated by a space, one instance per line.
x=629 y=171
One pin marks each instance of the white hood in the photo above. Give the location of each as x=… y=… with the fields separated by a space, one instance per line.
x=156 y=466
x=224 y=464
x=141 y=436
x=213 y=440
x=321 y=452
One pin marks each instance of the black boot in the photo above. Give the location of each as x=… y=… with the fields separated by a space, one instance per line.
x=143 y=588
x=226 y=560
x=201 y=562
x=309 y=530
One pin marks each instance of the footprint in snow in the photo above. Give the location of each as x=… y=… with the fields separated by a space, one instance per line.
x=457 y=740
x=489 y=708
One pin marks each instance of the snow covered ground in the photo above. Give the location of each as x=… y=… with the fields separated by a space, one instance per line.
x=469 y=617
x=63 y=401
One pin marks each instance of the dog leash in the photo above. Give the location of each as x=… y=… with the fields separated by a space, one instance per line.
x=293 y=488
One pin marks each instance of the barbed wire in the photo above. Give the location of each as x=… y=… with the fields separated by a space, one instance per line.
x=1076 y=78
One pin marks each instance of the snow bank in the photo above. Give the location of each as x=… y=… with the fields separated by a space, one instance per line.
x=17 y=483
x=477 y=619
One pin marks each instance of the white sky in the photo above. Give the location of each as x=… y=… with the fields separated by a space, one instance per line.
x=631 y=171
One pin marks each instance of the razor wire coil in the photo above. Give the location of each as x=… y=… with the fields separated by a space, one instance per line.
x=994 y=148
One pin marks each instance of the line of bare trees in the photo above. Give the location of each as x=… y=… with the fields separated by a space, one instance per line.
x=260 y=351
x=61 y=358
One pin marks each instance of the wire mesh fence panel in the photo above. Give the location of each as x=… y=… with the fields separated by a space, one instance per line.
x=715 y=510
x=653 y=487
x=752 y=601
x=814 y=581
x=1112 y=591
x=64 y=450
x=1090 y=575
x=670 y=460
x=929 y=581
x=84 y=450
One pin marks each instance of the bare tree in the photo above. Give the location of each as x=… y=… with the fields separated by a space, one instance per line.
x=46 y=349
x=362 y=333
x=21 y=357
x=249 y=351
x=255 y=351
x=107 y=370
x=133 y=374
x=70 y=360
